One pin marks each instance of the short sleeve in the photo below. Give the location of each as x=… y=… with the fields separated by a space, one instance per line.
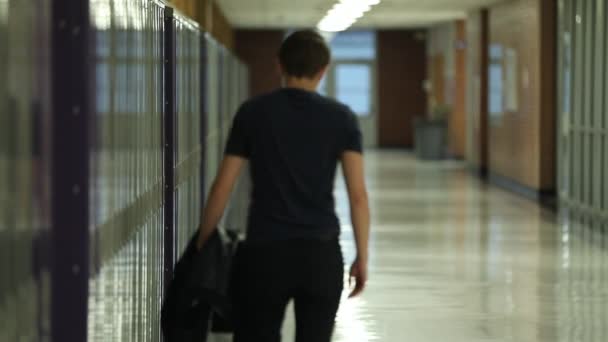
x=353 y=138
x=239 y=140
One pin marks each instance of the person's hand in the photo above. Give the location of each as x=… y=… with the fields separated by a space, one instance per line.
x=358 y=273
x=200 y=241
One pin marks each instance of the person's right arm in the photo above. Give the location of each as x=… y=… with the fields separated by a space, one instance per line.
x=352 y=167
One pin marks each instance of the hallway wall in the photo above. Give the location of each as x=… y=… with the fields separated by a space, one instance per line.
x=258 y=49
x=210 y=17
x=477 y=86
x=521 y=93
x=457 y=123
x=446 y=55
x=441 y=64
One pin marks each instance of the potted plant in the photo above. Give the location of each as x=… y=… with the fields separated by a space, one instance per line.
x=430 y=134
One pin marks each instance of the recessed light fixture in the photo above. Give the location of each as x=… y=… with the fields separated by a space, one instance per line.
x=344 y=14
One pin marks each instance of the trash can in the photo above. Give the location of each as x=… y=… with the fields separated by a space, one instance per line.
x=430 y=139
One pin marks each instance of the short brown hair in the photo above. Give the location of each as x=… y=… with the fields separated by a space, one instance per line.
x=304 y=53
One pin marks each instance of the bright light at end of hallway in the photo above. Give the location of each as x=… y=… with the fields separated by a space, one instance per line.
x=344 y=14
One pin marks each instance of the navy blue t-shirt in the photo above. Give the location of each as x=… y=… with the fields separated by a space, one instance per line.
x=293 y=139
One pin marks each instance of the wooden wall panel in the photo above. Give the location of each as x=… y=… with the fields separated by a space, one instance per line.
x=441 y=67
x=548 y=119
x=517 y=144
x=401 y=73
x=221 y=28
x=457 y=124
x=438 y=80
x=258 y=49
x=185 y=6
x=477 y=87
x=210 y=18
x=204 y=13
x=514 y=146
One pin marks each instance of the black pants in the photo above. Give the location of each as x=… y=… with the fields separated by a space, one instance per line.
x=269 y=275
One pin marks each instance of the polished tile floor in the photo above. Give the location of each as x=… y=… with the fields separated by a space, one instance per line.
x=455 y=260
x=451 y=260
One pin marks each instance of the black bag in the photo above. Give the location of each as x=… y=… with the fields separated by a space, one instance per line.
x=200 y=285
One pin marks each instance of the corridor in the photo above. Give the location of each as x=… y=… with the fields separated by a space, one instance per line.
x=455 y=260
x=114 y=121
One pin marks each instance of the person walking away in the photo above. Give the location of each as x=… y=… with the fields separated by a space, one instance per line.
x=293 y=139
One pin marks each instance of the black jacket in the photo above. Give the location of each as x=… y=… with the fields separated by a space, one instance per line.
x=200 y=285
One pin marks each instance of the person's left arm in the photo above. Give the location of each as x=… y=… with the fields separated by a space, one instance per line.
x=238 y=150
x=221 y=190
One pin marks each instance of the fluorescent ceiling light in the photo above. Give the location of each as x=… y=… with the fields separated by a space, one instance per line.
x=344 y=14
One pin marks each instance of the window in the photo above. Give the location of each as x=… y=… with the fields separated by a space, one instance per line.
x=350 y=78
x=351 y=45
x=495 y=83
x=353 y=86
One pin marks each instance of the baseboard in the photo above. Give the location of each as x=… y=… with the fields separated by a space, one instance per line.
x=546 y=198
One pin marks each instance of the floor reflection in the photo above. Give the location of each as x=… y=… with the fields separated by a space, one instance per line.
x=453 y=259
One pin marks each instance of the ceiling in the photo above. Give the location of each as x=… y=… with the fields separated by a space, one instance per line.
x=307 y=13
